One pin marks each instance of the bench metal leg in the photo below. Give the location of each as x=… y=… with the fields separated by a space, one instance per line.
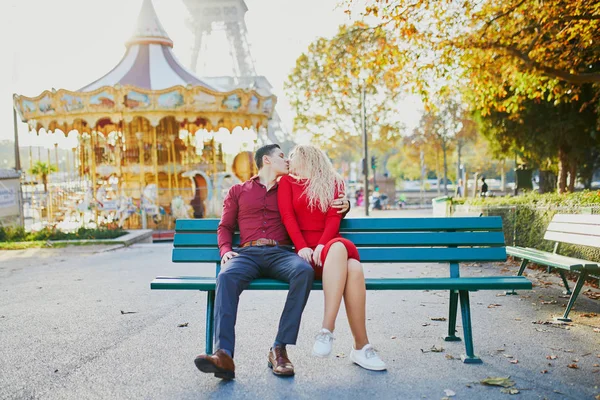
x=524 y=263
x=578 y=286
x=210 y=318
x=465 y=310
x=565 y=282
x=452 y=318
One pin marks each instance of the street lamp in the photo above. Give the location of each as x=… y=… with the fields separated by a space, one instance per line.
x=363 y=78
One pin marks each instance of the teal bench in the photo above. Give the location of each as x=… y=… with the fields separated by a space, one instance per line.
x=380 y=240
x=582 y=230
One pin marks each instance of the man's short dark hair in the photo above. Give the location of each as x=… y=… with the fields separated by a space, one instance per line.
x=265 y=150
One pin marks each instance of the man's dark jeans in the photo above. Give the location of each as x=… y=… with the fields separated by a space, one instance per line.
x=277 y=262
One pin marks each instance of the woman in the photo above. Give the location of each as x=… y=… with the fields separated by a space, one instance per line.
x=304 y=200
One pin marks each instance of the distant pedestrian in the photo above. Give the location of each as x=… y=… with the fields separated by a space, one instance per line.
x=484 y=187
x=460 y=189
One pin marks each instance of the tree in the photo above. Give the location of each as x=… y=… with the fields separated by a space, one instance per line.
x=42 y=170
x=548 y=134
x=326 y=86
x=539 y=49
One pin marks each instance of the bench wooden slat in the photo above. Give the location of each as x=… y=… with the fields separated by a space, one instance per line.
x=587 y=219
x=581 y=229
x=376 y=224
x=553 y=260
x=375 y=239
x=572 y=238
x=463 y=283
x=372 y=254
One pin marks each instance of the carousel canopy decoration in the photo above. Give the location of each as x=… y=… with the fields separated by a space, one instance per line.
x=148 y=82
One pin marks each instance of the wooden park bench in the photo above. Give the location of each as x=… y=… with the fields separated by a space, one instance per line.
x=581 y=230
x=380 y=240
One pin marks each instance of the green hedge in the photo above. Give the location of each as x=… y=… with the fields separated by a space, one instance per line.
x=11 y=234
x=526 y=217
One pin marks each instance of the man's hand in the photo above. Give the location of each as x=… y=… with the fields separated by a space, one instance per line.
x=306 y=253
x=317 y=255
x=342 y=203
x=228 y=256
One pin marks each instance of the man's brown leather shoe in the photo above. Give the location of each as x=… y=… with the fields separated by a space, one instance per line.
x=279 y=362
x=219 y=363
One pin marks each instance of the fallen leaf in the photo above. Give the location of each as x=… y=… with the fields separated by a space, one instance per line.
x=450 y=393
x=498 y=381
x=510 y=391
x=517 y=319
x=425 y=324
x=183 y=325
x=596 y=365
x=438 y=318
x=507 y=355
x=597 y=330
x=500 y=350
x=494 y=305
x=449 y=357
x=436 y=349
x=515 y=361
x=469 y=385
x=575 y=360
x=589 y=315
x=544 y=371
x=551 y=357
x=573 y=366
x=340 y=355
x=128 y=312
x=549 y=302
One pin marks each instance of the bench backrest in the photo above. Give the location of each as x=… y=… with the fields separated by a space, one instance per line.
x=453 y=240
x=575 y=229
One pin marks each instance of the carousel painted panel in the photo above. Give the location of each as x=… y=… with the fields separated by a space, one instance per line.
x=45 y=105
x=102 y=101
x=28 y=107
x=253 y=105
x=70 y=103
x=267 y=106
x=232 y=102
x=136 y=100
x=205 y=102
x=171 y=100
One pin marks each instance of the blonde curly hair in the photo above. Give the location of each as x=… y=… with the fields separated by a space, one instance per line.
x=310 y=162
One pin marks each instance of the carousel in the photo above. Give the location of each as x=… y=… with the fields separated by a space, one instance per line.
x=146 y=136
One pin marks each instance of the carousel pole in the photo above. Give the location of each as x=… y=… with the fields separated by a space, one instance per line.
x=93 y=173
x=169 y=171
x=174 y=156
x=155 y=160
x=140 y=137
x=56 y=155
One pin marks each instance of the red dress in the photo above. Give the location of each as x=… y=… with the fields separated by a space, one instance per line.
x=310 y=228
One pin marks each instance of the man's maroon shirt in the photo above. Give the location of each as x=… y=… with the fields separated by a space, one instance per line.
x=249 y=208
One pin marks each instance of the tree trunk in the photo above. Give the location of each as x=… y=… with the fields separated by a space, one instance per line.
x=45 y=182
x=572 y=176
x=562 y=171
x=547 y=181
x=444 y=150
x=437 y=170
x=503 y=175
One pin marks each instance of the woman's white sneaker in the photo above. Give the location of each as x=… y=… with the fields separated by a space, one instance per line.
x=367 y=358
x=323 y=343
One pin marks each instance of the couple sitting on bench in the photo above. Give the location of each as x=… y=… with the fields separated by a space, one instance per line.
x=307 y=207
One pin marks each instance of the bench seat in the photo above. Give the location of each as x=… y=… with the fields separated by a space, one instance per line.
x=464 y=283
x=570 y=264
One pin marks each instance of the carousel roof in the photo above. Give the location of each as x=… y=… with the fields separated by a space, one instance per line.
x=149 y=62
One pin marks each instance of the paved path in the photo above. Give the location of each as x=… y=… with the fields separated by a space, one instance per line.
x=64 y=336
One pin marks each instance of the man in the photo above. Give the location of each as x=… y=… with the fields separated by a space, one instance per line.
x=265 y=251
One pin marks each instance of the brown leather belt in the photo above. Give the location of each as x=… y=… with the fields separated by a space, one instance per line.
x=266 y=242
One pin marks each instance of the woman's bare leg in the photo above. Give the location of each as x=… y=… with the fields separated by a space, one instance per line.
x=335 y=269
x=355 y=296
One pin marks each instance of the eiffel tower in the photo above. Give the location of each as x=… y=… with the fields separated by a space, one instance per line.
x=211 y=18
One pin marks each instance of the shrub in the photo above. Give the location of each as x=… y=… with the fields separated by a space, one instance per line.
x=525 y=218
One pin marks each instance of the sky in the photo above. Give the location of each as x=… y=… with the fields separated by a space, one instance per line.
x=70 y=43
